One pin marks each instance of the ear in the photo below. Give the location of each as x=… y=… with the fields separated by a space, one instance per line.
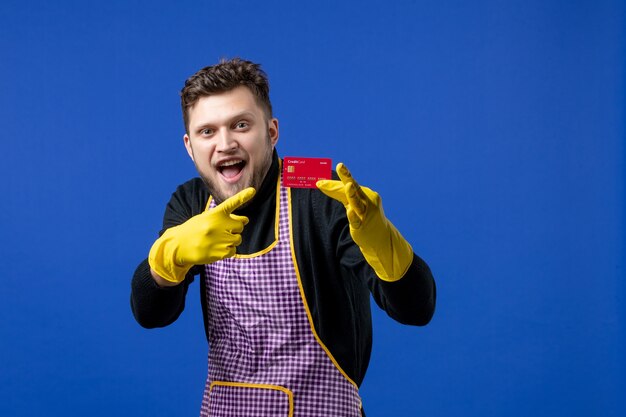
x=187 y=141
x=273 y=130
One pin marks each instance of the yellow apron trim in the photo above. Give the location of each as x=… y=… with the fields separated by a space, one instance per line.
x=276 y=220
x=258 y=386
x=306 y=306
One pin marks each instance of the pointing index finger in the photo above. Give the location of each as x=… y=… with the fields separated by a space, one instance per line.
x=233 y=203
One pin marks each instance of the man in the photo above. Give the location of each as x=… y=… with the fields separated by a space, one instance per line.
x=285 y=273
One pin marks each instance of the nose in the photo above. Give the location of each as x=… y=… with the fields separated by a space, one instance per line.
x=225 y=142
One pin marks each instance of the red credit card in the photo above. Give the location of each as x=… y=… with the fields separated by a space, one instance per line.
x=305 y=172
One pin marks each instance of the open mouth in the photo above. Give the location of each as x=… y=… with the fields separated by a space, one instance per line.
x=231 y=170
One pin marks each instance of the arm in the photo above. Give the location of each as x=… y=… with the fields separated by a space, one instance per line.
x=154 y=303
x=178 y=253
x=409 y=300
x=374 y=250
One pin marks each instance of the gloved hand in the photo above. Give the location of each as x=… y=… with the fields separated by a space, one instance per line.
x=203 y=239
x=384 y=249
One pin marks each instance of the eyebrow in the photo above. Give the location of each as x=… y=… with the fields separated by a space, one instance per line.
x=243 y=114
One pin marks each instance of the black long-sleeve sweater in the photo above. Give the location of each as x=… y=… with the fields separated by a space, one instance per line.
x=336 y=278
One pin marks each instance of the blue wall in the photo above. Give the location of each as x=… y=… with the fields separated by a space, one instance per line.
x=494 y=132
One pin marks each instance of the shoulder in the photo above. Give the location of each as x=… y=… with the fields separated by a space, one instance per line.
x=186 y=201
x=193 y=194
x=192 y=189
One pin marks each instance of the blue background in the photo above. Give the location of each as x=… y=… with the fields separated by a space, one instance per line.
x=493 y=130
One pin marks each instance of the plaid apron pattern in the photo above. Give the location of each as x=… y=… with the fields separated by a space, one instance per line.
x=264 y=359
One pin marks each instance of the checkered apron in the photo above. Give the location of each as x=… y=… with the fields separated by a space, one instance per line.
x=264 y=358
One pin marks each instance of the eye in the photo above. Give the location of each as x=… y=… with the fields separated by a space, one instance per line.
x=241 y=125
x=206 y=132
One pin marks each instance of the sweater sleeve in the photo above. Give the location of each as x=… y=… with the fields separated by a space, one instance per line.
x=155 y=306
x=152 y=305
x=410 y=300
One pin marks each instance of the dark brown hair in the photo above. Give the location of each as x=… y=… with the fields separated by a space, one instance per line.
x=225 y=76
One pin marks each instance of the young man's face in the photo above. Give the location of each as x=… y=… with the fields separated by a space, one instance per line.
x=230 y=141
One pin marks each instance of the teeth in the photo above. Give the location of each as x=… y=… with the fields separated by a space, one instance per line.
x=229 y=163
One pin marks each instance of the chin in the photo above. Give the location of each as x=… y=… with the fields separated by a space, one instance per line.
x=224 y=191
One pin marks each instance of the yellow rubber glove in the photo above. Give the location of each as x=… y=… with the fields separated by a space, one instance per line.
x=203 y=239
x=382 y=245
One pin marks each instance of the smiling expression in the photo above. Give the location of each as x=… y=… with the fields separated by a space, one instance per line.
x=230 y=141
